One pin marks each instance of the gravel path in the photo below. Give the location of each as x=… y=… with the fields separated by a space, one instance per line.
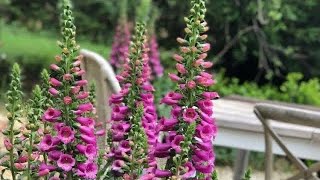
x=226 y=173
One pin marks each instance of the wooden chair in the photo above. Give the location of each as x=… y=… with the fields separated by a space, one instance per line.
x=99 y=71
x=267 y=113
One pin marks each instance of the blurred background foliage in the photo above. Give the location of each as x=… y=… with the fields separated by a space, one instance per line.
x=266 y=49
x=255 y=40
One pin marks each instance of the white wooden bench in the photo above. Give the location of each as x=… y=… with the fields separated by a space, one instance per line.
x=238 y=125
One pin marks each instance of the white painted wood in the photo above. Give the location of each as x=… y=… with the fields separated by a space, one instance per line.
x=240 y=128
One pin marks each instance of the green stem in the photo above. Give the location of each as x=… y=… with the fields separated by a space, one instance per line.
x=29 y=155
x=11 y=150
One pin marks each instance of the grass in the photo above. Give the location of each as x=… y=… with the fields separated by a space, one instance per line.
x=40 y=47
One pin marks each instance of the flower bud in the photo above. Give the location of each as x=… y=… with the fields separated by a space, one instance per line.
x=58 y=58
x=54 y=67
x=67 y=77
x=8 y=144
x=178 y=57
x=67 y=100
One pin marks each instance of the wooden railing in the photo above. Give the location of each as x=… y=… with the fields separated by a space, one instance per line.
x=270 y=112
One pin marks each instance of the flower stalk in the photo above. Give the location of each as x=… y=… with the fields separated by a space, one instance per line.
x=189 y=132
x=133 y=117
x=14 y=96
x=34 y=114
x=71 y=141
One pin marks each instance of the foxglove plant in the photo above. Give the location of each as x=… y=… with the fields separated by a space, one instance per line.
x=189 y=132
x=133 y=116
x=120 y=46
x=32 y=131
x=121 y=40
x=70 y=141
x=154 y=55
x=12 y=134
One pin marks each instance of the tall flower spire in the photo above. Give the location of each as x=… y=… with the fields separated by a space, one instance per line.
x=189 y=132
x=13 y=107
x=133 y=115
x=121 y=40
x=70 y=139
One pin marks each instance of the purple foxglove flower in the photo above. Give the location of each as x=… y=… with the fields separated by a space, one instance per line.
x=8 y=144
x=121 y=127
x=206 y=64
x=67 y=100
x=175 y=112
x=190 y=171
x=203 y=155
x=75 y=89
x=163 y=147
x=124 y=146
x=210 y=95
x=176 y=143
x=87 y=131
x=57 y=126
x=85 y=107
x=82 y=82
x=167 y=124
x=205 y=47
x=180 y=68
x=204 y=168
x=172 y=98
x=66 y=134
x=87 y=170
x=44 y=167
x=120 y=46
x=54 y=82
x=203 y=81
x=22 y=159
x=67 y=77
x=117 y=136
x=88 y=139
x=54 y=155
x=206 y=132
x=53 y=92
x=119 y=112
x=174 y=77
x=89 y=150
x=85 y=121
x=66 y=162
x=205 y=117
x=100 y=132
x=43 y=172
x=117 y=165
x=155 y=57
x=147 y=98
x=206 y=106
x=116 y=99
x=190 y=115
x=54 y=67
x=205 y=146
x=48 y=143
x=82 y=95
x=51 y=115
x=149 y=176
x=178 y=58
x=147 y=87
x=162 y=173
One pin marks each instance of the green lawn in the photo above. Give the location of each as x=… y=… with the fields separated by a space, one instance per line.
x=18 y=43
